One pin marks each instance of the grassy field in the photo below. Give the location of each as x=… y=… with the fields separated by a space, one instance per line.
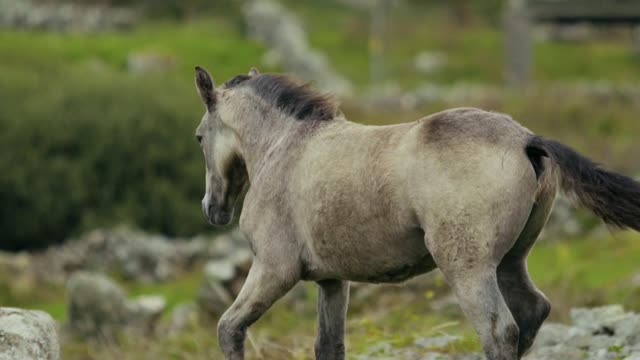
x=39 y=70
x=572 y=272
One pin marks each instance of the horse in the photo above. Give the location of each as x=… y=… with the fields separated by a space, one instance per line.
x=331 y=201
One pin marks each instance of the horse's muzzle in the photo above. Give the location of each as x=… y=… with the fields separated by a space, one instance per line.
x=216 y=215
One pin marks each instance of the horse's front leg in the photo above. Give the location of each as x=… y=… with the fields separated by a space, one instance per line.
x=265 y=284
x=333 y=299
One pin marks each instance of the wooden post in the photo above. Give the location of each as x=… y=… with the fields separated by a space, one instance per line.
x=517 y=43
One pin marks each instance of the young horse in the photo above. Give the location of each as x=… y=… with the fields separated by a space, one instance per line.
x=331 y=201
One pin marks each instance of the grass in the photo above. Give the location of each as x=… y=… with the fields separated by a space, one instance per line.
x=572 y=272
x=474 y=51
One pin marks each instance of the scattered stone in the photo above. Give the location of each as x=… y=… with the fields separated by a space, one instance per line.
x=27 y=335
x=99 y=308
x=437 y=342
x=27 y=14
x=606 y=332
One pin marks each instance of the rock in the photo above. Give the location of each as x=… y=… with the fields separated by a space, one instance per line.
x=606 y=332
x=182 y=317
x=272 y=24
x=213 y=298
x=150 y=62
x=595 y=319
x=220 y=270
x=428 y=62
x=99 y=308
x=437 y=342
x=145 y=312
x=27 y=14
x=27 y=335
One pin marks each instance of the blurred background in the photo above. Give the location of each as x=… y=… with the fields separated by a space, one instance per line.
x=101 y=178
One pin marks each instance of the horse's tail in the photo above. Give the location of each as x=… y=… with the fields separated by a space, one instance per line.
x=613 y=197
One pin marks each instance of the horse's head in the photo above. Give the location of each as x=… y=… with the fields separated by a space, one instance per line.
x=226 y=174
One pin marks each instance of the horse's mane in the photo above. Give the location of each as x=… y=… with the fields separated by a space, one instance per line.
x=290 y=95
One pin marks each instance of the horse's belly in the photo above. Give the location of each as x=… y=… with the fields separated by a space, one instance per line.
x=370 y=257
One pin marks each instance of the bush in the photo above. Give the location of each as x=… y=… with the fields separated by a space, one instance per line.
x=94 y=148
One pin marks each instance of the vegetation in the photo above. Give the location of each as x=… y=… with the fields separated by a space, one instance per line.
x=84 y=143
x=573 y=272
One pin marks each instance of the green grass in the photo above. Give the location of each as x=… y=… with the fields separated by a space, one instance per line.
x=572 y=272
x=207 y=42
x=474 y=51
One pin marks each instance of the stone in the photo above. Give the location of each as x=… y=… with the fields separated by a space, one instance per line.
x=99 y=308
x=428 y=62
x=282 y=32
x=220 y=270
x=145 y=312
x=27 y=335
x=150 y=62
x=596 y=318
x=437 y=342
x=213 y=299
x=28 y=14
x=182 y=317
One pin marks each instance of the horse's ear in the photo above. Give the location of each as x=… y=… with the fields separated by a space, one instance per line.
x=254 y=72
x=206 y=87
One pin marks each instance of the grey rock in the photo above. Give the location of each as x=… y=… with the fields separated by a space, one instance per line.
x=27 y=14
x=596 y=318
x=150 y=62
x=182 y=317
x=27 y=335
x=145 y=312
x=436 y=342
x=99 y=308
x=272 y=24
x=213 y=299
x=220 y=270
x=428 y=62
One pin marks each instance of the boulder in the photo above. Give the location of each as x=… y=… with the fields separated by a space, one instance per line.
x=27 y=335
x=99 y=308
x=282 y=32
x=223 y=279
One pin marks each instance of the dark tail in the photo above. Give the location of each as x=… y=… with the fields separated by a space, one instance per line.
x=615 y=198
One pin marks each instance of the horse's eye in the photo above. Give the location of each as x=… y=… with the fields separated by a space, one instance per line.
x=199 y=139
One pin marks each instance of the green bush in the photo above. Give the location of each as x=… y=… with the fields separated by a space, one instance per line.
x=93 y=148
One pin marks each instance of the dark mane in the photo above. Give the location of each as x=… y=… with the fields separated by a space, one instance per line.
x=293 y=97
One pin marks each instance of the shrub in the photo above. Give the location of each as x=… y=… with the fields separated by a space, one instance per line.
x=92 y=148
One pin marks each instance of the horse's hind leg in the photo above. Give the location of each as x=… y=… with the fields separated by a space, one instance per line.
x=469 y=266
x=527 y=304
x=333 y=297
x=479 y=297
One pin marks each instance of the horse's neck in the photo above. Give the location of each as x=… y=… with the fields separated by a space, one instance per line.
x=276 y=138
x=263 y=138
